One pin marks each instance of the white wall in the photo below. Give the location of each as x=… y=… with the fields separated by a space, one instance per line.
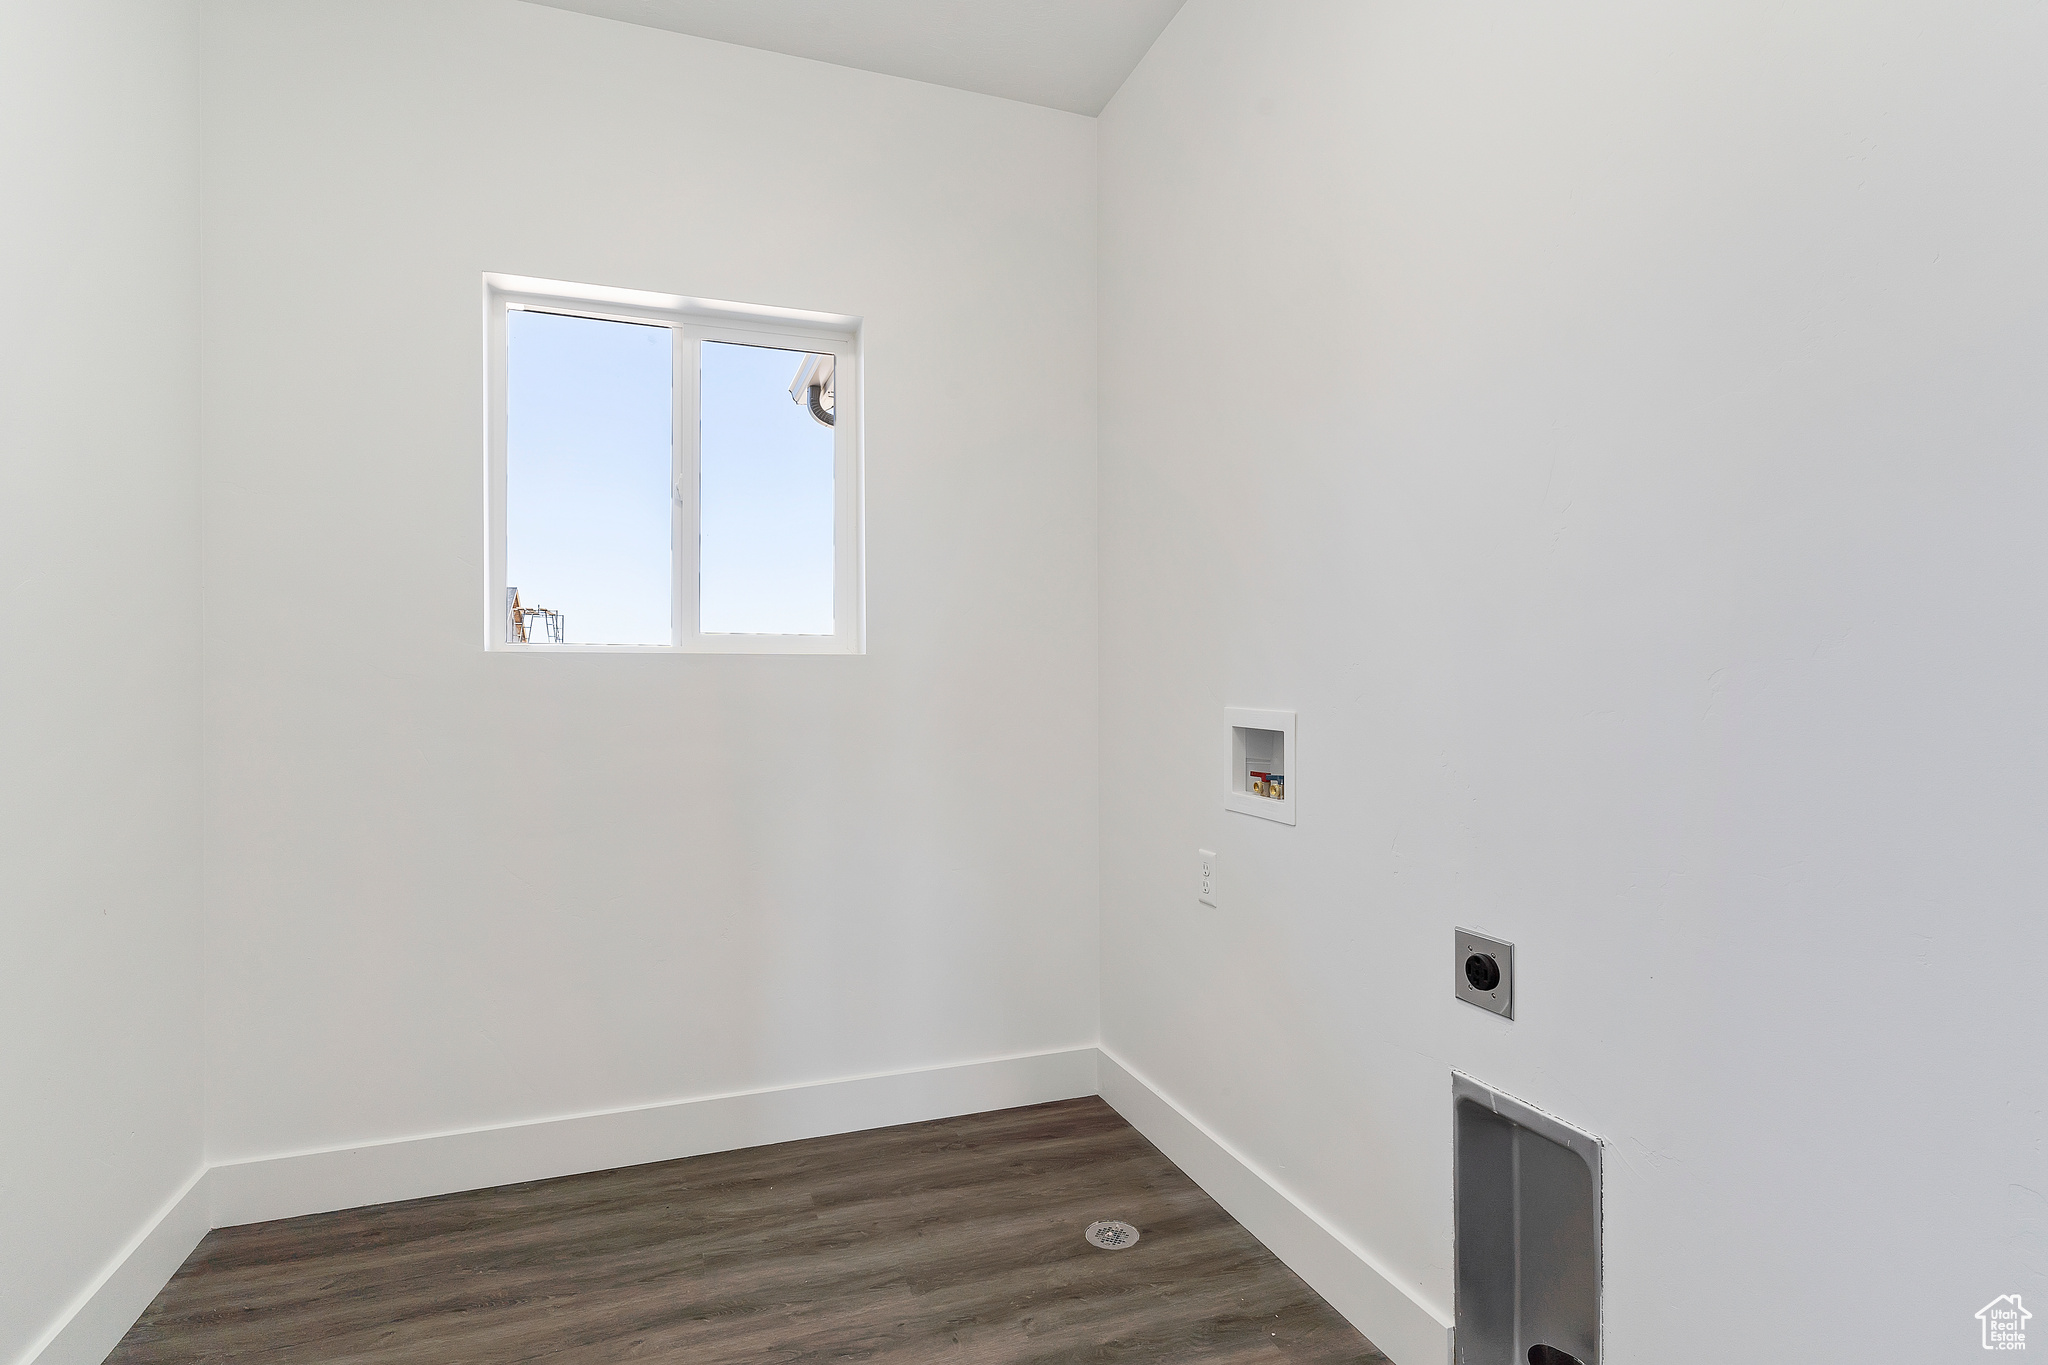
x=449 y=889
x=99 y=612
x=1618 y=429
x=1615 y=430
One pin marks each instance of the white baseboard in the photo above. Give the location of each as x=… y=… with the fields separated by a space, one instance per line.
x=414 y=1168
x=1400 y=1323
x=101 y=1315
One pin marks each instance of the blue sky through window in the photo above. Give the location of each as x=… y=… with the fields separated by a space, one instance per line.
x=587 y=470
x=767 y=497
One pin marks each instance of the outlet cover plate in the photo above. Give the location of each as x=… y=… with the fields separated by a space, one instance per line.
x=1499 y=1000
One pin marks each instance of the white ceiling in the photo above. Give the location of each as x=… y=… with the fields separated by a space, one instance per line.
x=1067 y=54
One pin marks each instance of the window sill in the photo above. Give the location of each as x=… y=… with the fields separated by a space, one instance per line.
x=736 y=644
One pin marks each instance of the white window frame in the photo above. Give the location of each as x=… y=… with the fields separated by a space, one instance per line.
x=691 y=321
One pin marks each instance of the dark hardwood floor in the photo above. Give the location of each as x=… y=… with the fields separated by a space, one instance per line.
x=958 y=1240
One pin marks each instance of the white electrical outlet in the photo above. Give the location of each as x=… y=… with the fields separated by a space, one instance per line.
x=1207 y=893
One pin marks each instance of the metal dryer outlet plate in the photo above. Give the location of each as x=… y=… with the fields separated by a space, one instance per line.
x=1483 y=971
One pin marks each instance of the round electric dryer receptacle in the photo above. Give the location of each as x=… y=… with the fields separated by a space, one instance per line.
x=1482 y=971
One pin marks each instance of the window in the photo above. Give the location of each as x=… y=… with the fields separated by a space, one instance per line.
x=670 y=475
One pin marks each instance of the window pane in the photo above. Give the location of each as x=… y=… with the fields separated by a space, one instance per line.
x=588 y=469
x=767 y=493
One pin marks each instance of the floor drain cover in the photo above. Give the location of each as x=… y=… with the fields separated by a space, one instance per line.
x=1111 y=1235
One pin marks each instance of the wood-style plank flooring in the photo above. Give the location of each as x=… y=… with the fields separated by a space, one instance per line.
x=955 y=1241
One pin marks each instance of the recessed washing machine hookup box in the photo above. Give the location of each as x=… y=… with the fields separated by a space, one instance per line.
x=1259 y=780
x=1526 y=1202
